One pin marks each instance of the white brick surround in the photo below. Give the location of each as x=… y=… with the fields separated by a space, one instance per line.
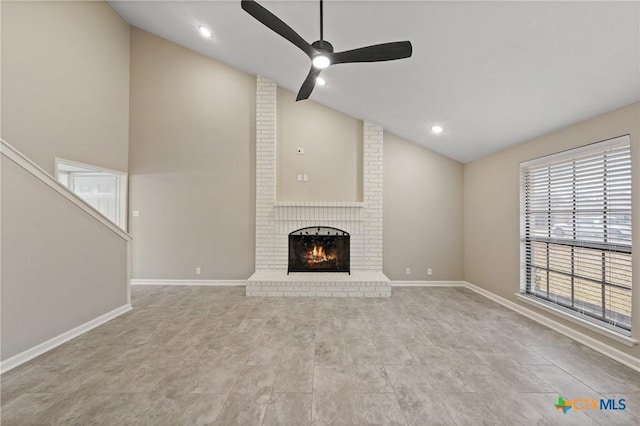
x=372 y=168
x=291 y=216
x=275 y=220
x=266 y=91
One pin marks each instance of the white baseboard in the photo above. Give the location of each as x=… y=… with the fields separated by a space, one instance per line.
x=33 y=352
x=189 y=282
x=571 y=317
x=244 y=282
x=428 y=283
x=596 y=345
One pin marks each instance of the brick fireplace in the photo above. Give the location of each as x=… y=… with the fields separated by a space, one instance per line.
x=276 y=220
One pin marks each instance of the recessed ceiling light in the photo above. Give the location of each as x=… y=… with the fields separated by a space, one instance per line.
x=437 y=129
x=321 y=61
x=204 y=31
x=320 y=81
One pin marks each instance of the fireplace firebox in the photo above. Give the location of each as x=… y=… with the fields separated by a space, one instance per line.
x=319 y=249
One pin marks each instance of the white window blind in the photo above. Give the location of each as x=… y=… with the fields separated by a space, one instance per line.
x=576 y=231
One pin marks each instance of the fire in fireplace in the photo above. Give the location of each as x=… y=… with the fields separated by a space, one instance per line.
x=319 y=249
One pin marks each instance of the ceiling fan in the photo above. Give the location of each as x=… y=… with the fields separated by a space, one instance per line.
x=321 y=51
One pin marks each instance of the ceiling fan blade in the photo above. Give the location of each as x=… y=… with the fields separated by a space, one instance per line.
x=274 y=23
x=375 y=53
x=308 y=85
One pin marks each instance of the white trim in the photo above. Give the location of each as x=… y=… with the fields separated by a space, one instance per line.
x=37 y=350
x=557 y=310
x=595 y=147
x=244 y=282
x=92 y=167
x=428 y=284
x=129 y=267
x=36 y=171
x=605 y=349
x=189 y=282
x=122 y=183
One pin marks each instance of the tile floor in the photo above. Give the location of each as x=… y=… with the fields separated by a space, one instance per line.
x=210 y=355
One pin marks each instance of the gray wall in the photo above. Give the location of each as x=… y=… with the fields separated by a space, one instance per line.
x=492 y=207
x=65 y=93
x=1 y=68
x=65 y=81
x=60 y=267
x=192 y=172
x=332 y=158
x=423 y=213
x=191 y=164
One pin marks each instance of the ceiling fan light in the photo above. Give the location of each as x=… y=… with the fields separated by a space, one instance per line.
x=204 y=31
x=320 y=81
x=437 y=129
x=321 y=61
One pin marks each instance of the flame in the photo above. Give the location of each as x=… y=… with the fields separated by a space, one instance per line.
x=318 y=254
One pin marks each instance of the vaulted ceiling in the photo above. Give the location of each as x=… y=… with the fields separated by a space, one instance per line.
x=493 y=74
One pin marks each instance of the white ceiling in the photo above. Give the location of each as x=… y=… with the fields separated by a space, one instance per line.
x=494 y=74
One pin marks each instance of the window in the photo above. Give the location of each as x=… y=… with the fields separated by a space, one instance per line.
x=576 y=232
x=103 y=189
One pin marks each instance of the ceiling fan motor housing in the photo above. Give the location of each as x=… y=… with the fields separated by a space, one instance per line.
x=322 y=46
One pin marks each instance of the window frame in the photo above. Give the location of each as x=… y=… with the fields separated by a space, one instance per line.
x=527 y=241
x=63 y=175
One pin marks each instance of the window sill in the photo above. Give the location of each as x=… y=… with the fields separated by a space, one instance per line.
x=612 y=334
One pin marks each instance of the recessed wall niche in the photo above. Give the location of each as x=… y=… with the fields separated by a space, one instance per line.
x=332 y=159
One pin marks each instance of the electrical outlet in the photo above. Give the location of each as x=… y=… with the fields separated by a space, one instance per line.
x=429 y=271
x=408 y=271
x=198 y=270
x=305 y=177
x=300 y=150
x=299 y=177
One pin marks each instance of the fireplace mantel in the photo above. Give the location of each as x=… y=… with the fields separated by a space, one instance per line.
x=319 y=211
x=342 y=204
